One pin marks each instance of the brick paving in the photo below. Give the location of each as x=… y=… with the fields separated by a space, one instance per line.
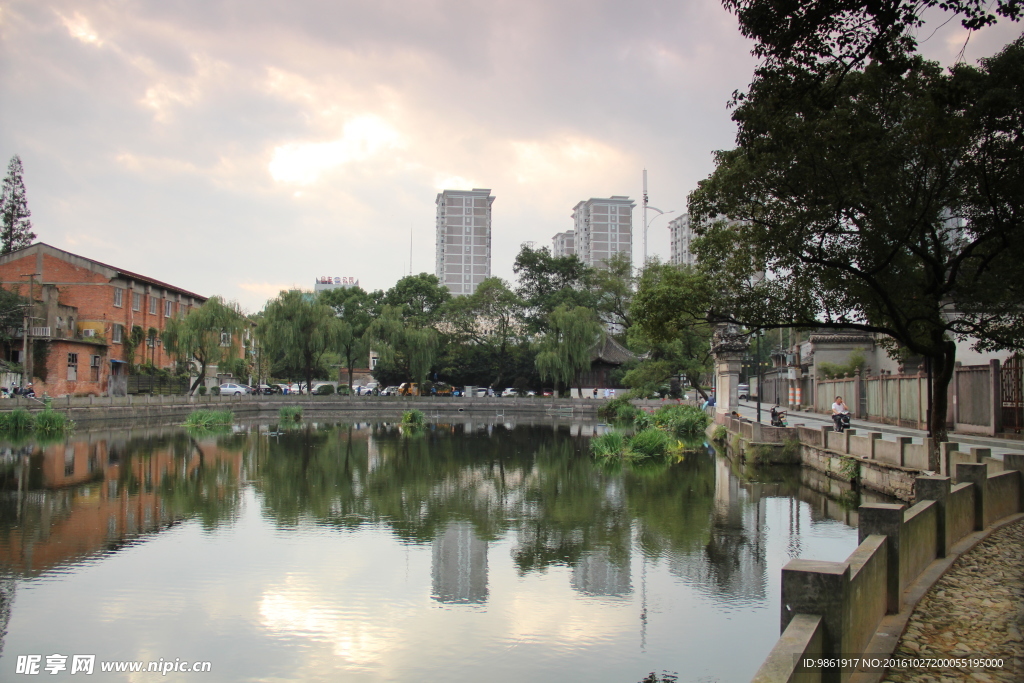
x=975 y=610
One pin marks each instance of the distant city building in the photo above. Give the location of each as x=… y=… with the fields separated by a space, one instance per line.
x=463 y=239
x=325 y=282
x=459 y=566
x=603 y=228
x=564 y=243
x=681 y=234
x=598 y=573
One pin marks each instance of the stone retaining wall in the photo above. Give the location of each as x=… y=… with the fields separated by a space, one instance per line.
x=833 y=609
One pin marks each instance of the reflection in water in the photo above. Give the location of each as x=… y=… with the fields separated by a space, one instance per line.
x=355 y=534
x=459 y=568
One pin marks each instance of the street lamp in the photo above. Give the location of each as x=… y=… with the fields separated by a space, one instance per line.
x=646 y=222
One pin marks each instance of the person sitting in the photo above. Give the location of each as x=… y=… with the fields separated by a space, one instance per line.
x=840 y=414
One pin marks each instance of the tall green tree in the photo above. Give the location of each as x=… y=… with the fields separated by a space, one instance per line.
x=614 y=287
x=206 y=336
x=301 y=328
x=419 y=298
x=547 y=282
x=354 y=310
x=892 y=205
x=403 y=345
x=564 y=350
x=15 y=226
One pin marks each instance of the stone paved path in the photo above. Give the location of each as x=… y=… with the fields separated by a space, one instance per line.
x=975 y=609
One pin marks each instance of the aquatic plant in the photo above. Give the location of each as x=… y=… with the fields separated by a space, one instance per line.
x=290 y=414
x=209 y=418
x=682 y=420
x=610 y=444
x=720 y=434
x=619 y=408
x=413 y=418
x=649 y=443
x=643 y=420
x=52 y=422
x=17 y=421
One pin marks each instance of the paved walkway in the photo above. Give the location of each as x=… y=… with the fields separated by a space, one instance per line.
x=975 y=610
x=889 y=432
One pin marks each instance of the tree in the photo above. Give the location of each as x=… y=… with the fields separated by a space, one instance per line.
x=402 y=345
x=301 y=328
x=418 y=298
x=352 y=306
x=205 y=336
x=670 y=312
x=893 y=206
x=564 y=350
x=15 y=226
x=613 y=288
x=547 y=282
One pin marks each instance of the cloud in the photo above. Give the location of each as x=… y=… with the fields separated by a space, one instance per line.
x=80 y=28
x=363 y=137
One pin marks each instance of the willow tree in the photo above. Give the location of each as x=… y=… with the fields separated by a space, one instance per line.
x=301 y=328
x=205 y=336
x=564 y=350
x=403 y=344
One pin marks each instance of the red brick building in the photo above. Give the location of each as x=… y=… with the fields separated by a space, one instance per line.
x=83 y=315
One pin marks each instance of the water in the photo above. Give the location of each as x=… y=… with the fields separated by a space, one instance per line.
x=358 y=553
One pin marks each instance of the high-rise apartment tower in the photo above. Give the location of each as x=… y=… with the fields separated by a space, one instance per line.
x=603 y=227
x=463 y=239
x=681 y=234
x=563 y=244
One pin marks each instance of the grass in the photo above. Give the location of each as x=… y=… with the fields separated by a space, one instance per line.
x=720 y=434
x=209 y=418
x=682 y=420
x=52 y=422
x=413 y=418
x=290 y=414
x=619 y=408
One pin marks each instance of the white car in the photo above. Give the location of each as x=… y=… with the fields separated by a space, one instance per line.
x=509 y=392
x=233 y=389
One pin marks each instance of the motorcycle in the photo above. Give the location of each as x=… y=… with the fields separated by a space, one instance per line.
x=841 y=421
x=778 y=417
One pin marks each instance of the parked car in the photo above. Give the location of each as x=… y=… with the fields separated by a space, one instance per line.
x=481 y=392
x=390 y=391
x=509 y=392
x=744 y=391
x=230 y=389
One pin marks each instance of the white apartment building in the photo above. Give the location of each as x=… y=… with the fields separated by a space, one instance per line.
x=603 y=227
x=463 y=239
x=563 y=244
x=681 y=234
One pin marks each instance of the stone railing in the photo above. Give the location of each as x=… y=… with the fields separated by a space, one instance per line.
x=833 y=609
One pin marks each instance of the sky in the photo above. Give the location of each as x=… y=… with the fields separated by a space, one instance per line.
x=242 y=147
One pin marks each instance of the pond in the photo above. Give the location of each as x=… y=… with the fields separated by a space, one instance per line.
x=357 y=552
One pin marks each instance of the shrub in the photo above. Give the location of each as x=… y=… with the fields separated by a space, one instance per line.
x=719 y=434
x=209 y=418
x=610 y=410
x=609 y=444
x=215 y=391
x=643 y=420
x=324 y=390
x=202 y=390
x=649 y=443
x=290 y=414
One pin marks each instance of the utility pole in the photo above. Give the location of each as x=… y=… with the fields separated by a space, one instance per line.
x=652 y=208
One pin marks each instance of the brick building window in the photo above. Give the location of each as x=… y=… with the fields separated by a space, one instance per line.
x=168 y=305
x=94 y=369
x=153 y=303
x=136 y=301
x=116 y=334
x=72 y=366
x=118 y=297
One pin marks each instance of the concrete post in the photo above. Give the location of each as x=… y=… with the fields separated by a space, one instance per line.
x=886 y=520
x=936 y=488
x=874 y=436
x=902 y=442
x=996 y=399
x=979 y=454
x=1015 y=461
x=846 y=439
x=822 y=589
x=977 y=474
x=944 y=450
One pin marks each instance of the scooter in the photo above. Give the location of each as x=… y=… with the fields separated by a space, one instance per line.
x=841 y=421
x=778 y=417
